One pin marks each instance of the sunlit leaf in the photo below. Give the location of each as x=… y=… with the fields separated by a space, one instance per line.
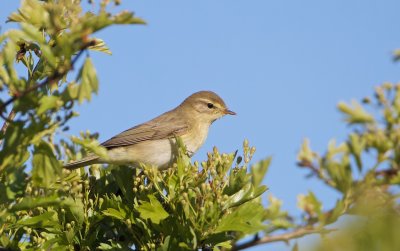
x=49 y=102
x=152 y=210
x=100 y=46
x=246 y=219
x=45 y=166
x=88 y=81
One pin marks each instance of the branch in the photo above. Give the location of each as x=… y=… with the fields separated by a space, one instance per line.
x=56 y=76
x=317 y=172
x=7 y=121
x=300 y=232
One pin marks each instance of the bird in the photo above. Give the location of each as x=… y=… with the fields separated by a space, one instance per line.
x=154 y=142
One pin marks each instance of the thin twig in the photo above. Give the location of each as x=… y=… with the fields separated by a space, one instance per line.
x=318 y=172
x=10 y=117
x=55 y=77
x=300 y=232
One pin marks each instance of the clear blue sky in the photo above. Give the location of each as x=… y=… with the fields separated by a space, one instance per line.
x=281 y=65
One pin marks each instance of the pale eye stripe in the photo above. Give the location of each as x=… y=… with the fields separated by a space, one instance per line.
x=206 y=100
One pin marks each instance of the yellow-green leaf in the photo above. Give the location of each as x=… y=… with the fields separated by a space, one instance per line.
x=152 y=210
x=49 y=102
x=88 y=81
x=45 y=166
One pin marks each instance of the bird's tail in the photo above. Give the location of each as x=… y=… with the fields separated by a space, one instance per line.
x=89 y=160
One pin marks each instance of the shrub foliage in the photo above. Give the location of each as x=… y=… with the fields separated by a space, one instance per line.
x=211 y=205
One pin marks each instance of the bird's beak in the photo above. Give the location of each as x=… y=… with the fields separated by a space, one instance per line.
x=227 y=111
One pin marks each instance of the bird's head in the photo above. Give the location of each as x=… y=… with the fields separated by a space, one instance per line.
x=206 y=106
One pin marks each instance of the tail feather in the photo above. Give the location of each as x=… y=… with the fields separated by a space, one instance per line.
x=89 y=160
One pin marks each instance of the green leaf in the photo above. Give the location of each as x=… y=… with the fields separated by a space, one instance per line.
x=49 y=102
x=74 y=209
x=47 y=219
x=356 y=145
x=248 y=192
x=355 y=114
x=305 y=155
x=118 y=214
x=100 y=45
x=126 y=17
x=225 y=244
x=246 y=219
x=31 y=202
x=88 y=81
x=337 y=211
x=259 y=170
x=91 y=145
x=310 y=204
x=152 y=210
x=45 y=166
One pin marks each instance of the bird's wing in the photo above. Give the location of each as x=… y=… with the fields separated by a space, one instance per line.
x=166 y=126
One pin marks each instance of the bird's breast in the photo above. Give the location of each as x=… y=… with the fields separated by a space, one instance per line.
x=195 y=138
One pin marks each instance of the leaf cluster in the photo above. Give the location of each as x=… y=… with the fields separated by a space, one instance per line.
x=189 y=206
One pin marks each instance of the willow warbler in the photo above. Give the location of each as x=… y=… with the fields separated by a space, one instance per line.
x=154 y=142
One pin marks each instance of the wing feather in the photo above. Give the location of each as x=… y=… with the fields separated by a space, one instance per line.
x=167 y=125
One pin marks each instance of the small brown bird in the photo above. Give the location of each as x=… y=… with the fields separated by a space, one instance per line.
x=153 y=142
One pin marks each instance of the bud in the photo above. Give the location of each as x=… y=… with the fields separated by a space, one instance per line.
x=203 y=188
x=245 y=144
x=252 y=150
x=28 y=189
x=215 y=150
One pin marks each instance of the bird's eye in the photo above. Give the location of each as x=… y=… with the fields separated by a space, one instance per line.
x=210 y=105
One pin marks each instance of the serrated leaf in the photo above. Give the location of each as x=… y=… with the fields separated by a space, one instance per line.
x=43 y=220
x=118 y=214
x=91 y=145
x=88 y=81
x=259 y=170
x=152 y=210
x=45 y=166
x=49 y=102
x=246 y=219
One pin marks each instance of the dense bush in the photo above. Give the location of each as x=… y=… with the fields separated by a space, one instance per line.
x=189 y=206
